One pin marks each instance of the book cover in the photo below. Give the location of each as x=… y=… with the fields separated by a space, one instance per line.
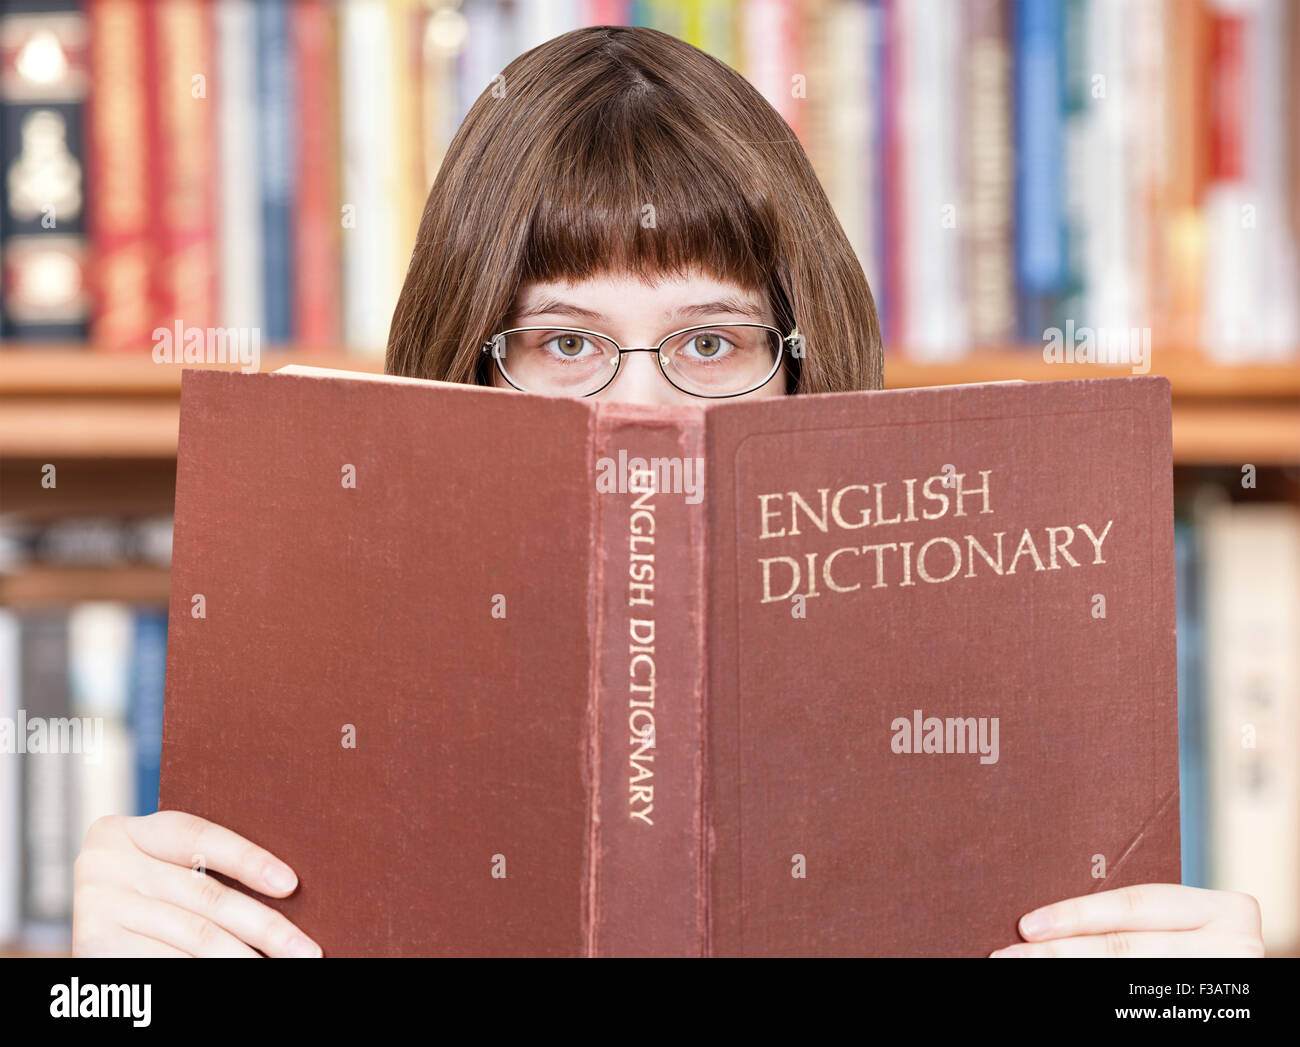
x=867 y=673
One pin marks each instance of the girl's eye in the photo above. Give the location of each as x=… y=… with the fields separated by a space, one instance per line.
x=708 y=346
x=568 y=344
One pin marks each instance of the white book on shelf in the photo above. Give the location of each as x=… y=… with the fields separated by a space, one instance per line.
x=1251 y=600
x=100 y=637
x=935 y=325
x=243 y=300
x=372 y=274
x=11 y=852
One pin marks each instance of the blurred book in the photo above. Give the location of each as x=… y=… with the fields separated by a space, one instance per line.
x=1003 y=168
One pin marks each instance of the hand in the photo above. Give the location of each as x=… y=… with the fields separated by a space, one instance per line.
x=135 y=893
x=1152 y=919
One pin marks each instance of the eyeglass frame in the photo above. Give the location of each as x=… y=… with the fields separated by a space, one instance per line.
x=794 y=337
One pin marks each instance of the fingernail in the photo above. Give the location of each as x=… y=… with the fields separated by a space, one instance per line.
x=304 y=947
x=1037 y=922
x=280 y=877
x=1010 y=952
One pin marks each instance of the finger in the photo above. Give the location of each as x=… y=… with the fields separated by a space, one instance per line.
x=186 y=839
x=128 y=943
x=1121 y=945
x=1145 y=907
x=170 y=924
x=246 y=918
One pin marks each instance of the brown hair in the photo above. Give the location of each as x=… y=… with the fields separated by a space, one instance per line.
x=548 y=177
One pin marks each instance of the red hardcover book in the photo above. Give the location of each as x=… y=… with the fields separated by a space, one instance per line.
x=317 y=263
x=120 y=219
x=863 y=673
x=183 y=145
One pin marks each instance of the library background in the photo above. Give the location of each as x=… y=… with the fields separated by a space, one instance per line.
x=1004 y=169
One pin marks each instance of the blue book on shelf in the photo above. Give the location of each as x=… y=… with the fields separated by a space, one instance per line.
x=145 y=704
x=278 y=149
x=1191 y=707
x=1040 y=151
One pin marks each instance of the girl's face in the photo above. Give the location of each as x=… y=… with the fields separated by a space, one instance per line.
x=636 y=313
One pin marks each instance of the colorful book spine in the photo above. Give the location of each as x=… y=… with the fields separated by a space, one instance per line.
x=316 y=318
x=11 y=784
x=44 y=72
x=934 y=305
x=277 y=135
x=1191 y=704
x=772 y=57
x=851 y=170
x=1252 y=618
x=119 y=200
x=988 y=160
x=371 y=278
x=145 y=704
x=185 y=274
x=103 y=774
x=1040 y=218
x=243 y=298
x=48 y=801
x=892 y=201
x=1230 y=308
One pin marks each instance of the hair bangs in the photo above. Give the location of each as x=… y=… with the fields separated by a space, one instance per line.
x=634 y=187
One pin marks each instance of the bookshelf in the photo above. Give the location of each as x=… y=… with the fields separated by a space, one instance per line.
x=67 y=402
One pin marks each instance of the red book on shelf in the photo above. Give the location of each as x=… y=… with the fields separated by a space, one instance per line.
x=182 y=144
x=861 y=673
x=317 y=263
x=119 y=198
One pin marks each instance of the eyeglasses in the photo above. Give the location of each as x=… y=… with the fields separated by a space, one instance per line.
x=714 y=361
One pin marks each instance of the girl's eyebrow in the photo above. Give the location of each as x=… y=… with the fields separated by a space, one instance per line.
x=726 y=304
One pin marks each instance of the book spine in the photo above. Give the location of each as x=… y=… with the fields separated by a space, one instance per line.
x=646 y=860
x=772 y=53
x=99 y=653
x=989 y=258
x=119 y=201
x=316 y=232
x=186 y=273
x=370 y=281
x=47 y=780
x=145 y=704
x=1191 y=705
x=1040 y=220
x=240 y=224
x=1183 y=235
x=11 y=811
x=849 y=176
x=718 y=30
x=1229 y=305
x=44 y=289
x=935 y=303
x=276 y=134
x=893 y=198
x=1252 y=617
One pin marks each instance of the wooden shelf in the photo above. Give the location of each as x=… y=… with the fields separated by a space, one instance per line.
x=40 y=585
x=63 y=402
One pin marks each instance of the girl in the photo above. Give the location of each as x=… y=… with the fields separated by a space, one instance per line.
x=618 y=190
